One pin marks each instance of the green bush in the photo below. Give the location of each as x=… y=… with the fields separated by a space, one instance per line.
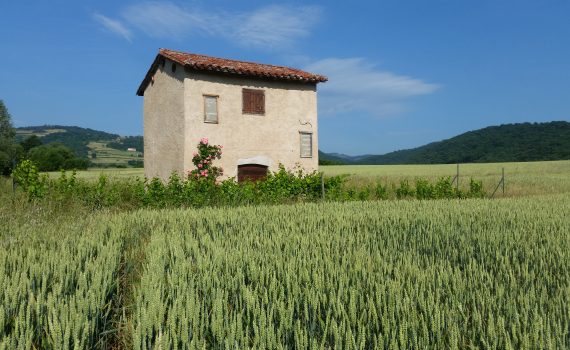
x=381 y=191
x=425 y=190
x=476 y=189
x=27 y=176
x=404 y=190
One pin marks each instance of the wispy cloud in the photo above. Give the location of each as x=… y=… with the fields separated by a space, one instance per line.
x=273 y=27
x=170 y=21
x=357 y=85
x=113 y=26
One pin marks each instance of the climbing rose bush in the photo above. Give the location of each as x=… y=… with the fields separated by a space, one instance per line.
x=203 y=160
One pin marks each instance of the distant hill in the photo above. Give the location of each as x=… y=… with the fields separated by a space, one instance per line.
x=521 y=142
x=504 y=143
x=102 y=148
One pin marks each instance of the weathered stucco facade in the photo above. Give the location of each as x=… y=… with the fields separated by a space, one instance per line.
x=174 y=119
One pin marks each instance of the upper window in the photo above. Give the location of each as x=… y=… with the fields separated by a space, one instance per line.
x=253 y=101
x=210 y=109
x=306 y=144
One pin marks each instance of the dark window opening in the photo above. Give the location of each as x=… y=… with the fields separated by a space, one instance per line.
x=251 y=172
x=253 y=101
x=173 y=67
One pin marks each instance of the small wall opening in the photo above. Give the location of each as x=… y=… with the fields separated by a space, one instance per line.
x=252 y=172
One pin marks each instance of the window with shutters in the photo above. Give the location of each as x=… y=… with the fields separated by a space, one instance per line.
x=306 y=144
x=210 y=109
x=253 y=101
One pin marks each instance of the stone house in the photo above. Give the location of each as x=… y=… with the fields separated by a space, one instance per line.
x=262 y=114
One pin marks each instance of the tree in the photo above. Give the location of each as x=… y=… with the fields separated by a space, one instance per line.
x=8 y=148
x=55 y=156
x=30 y=142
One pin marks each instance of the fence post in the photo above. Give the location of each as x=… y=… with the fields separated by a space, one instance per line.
x=322 y=186
x=503 y=181
x=457 y=176
x=13 y=178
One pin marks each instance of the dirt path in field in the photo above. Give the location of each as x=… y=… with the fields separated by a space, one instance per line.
x=130 y=272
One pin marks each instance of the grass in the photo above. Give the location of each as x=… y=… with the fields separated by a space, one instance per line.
x=112 y=173
x=522 y=178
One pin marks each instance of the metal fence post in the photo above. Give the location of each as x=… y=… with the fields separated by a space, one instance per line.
x=503 y=181
x=323 y=186
x=457 y=176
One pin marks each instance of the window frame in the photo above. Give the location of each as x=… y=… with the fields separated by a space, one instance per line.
x=204 y=98
x=260 y=92
x=301 y=134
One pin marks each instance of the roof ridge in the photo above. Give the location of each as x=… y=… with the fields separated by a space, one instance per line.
x=232 y=59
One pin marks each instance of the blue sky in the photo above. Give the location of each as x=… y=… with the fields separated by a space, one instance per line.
x=402 y=73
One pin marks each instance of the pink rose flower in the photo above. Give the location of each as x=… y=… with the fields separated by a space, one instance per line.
x=204 y=141
x=200 y=166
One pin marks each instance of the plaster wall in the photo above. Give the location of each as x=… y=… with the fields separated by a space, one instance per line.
x=273 y=138
x=164 y=131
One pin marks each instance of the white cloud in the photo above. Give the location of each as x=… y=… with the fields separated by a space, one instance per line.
x=356 y=85
x=267 y=27
x=113 y=26
x=167 y=20
x=274 y=26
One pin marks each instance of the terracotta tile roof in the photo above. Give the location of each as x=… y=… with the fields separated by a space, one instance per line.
x=232 y=67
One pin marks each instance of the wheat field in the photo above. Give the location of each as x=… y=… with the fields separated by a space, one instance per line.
x=457 y=274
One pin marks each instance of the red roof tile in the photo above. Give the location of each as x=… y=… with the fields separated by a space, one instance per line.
x=233 y=67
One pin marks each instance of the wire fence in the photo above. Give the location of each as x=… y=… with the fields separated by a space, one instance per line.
x=501 y=183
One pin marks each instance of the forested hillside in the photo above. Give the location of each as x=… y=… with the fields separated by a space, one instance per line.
x=505 y=143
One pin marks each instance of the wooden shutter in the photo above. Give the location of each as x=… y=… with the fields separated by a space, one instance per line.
x=210 y=109
x=253 y=101
x=306 y=141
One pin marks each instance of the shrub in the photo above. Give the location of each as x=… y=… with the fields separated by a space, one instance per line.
x=476 y=189
x=405 y=190
x=444 y=188
x=26 y=175
x=425 y=190
x=381 y=191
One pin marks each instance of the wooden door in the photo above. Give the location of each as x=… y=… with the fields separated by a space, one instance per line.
x=251 y=172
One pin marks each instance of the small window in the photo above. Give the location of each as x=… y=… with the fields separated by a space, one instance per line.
x=173 y=67
x=253 y=101
x=210 y=109
x=306 y=145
